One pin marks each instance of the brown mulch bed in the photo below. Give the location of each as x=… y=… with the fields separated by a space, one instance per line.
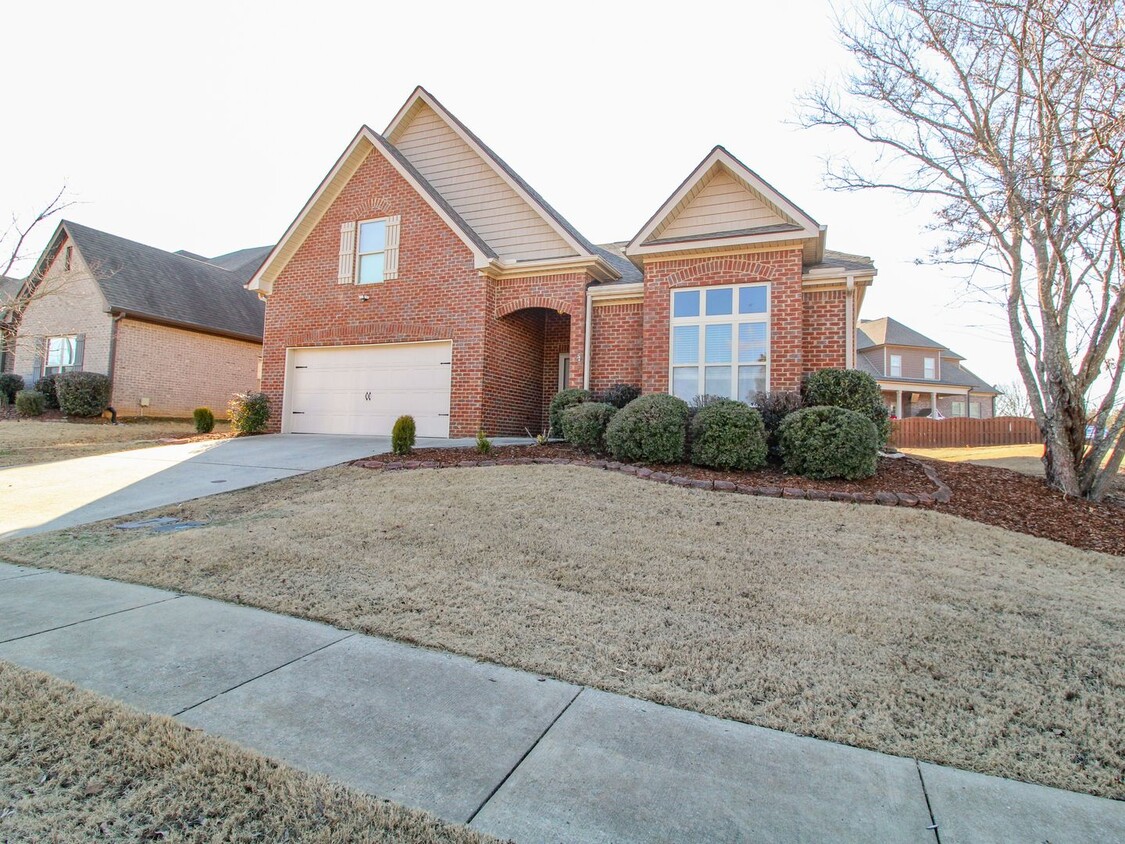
x=1026 y=504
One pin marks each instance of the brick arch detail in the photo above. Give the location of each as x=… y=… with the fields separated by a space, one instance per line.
x=753 y=270
x=525 y=302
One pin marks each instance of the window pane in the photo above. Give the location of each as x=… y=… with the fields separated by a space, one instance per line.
x=717 y=381
x=373 y=236
x=753 y=345
x=930 y=368
x=685 y=303
x=896 y=365
x=685 y=382
x=371 y=268
x=685 y=344
x=720 y=302
x=717 y=344
x=751 y=380
x=752 y=300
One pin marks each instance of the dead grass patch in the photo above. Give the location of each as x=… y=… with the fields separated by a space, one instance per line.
x=75 y=766
x=909 y=632
x=28 y=441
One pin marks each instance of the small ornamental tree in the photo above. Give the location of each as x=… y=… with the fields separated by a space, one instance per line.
x=204 y=420
x=402 y=435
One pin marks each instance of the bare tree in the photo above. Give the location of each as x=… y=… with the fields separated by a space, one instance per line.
x=1009 y=116
x=1012 y=400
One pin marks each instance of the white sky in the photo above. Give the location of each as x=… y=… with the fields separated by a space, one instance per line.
x=205 y=126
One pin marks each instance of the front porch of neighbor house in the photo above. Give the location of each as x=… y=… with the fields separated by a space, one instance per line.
x=906 y=400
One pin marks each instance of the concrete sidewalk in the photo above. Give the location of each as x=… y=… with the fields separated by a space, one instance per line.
x=508 y=752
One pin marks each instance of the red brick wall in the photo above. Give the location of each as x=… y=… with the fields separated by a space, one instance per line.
x=513 y=373
x=618 y=351
x=556 y=341
x=438 y=295
x=825 y=330
x=782 y=268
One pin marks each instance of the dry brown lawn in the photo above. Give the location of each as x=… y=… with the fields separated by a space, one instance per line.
x=1026 y=459
x=26 y=441
x=75 y=766
x=909 y=632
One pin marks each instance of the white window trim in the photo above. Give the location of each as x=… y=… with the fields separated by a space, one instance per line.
x=929 y=365
x=975 y=405
x=564 y=366
x=386 y=221
x=891 y=366
x=62 y=367
x=734 y=319
x=953 y=409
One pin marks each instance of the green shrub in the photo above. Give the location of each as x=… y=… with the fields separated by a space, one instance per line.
x=10 y=384
x=774 y=407
x=651 y=429
x=46 y=385
x=728 y=435
x=584 y=424
x=562 y=400
x=484 y=444
x=204 y=420
x=620 y=395
x=850 y=389
x=30 y=403
x=829 y=442
x=249 y=413
x=82 y=393
x=402 y=435
x=700 y=402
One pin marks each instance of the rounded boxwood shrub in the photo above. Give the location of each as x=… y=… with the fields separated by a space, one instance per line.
x=30 y=403
x=651 y=429
x=728 y=434
x=620 y=395
x=46 y=385
x=774 y=407
x=82 y=393
x=402 y=435
x=850 y=389
x=829 y=442
x=249 y=412
x=204 y=420
x=10 y=384
x=584 y=424
x=562 y=400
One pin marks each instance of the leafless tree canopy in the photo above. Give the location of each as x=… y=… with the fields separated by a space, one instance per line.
x=1012 y=400
x=1010 y=117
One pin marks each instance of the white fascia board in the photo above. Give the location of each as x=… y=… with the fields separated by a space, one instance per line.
x=630 y=290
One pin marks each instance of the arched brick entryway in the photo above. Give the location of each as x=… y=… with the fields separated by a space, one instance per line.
x=522 y=366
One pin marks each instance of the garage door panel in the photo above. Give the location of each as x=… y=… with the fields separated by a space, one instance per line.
x=364 y=389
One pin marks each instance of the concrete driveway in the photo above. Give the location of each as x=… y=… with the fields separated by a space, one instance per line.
x=49 y=496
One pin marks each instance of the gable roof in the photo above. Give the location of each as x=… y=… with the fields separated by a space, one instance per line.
x=890 y=332
x=243 y=261
x=758 y=213
x=147 y=282
x=951 y=376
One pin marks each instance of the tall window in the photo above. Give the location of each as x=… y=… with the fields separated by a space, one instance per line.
x=957 y=408
x=896 y=366
x=720 y=341
x=372 y=251
x=974 y=410
x=929 y=368
x=61 y=355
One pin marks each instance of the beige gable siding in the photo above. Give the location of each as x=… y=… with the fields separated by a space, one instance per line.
x=474 y=189
x=720 y=204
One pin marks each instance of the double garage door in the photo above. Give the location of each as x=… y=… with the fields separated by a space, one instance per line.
x=364 y=389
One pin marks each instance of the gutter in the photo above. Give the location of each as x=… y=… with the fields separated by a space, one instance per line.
x=588 y=332
x=849 y=321
x=113 y=352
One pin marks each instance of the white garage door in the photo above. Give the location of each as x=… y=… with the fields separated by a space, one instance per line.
x=364 y=389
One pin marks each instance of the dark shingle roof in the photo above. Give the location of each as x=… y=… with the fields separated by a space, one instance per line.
x=614 y=255
x=890 y=332
x=843 y=260
x=952 y=375
x=149 y=282
x=244 y=262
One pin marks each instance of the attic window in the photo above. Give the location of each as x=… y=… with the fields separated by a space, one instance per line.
x=66 y=258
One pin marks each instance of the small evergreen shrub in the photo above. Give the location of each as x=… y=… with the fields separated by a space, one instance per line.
x=484 y=444
x=562 y=400
x=82 y=393
x=584 y=424
x=46 y=385
x=10 y=384
x=249 y=413
x=204 y=420
x=774 y=407
x=850 y=389
x=829 y=442
x=30 y=403
x=402 y=435
x=728 y=434
x=651 y=429
x=620 y=395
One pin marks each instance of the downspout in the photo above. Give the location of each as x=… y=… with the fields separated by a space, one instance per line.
x=849 y=319
x=113 y=362
x=588 y=338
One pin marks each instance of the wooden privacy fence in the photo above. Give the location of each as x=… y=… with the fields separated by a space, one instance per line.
x=923 y=432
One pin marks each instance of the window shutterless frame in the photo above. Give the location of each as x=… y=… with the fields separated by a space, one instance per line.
x=371 y=251
x=719 y=340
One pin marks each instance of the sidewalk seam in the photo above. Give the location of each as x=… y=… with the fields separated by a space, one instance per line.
x=86 y=620
x=22 y=576
x=263 y=674
x=929 y=808
x=526 y=753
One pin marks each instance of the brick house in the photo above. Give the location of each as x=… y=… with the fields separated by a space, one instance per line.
x=424 y=276
x=174 y=331
x=917 y=374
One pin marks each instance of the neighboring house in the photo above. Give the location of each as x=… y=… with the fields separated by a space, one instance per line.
x=916 y=374
x=174 y=331
x=424 y=276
